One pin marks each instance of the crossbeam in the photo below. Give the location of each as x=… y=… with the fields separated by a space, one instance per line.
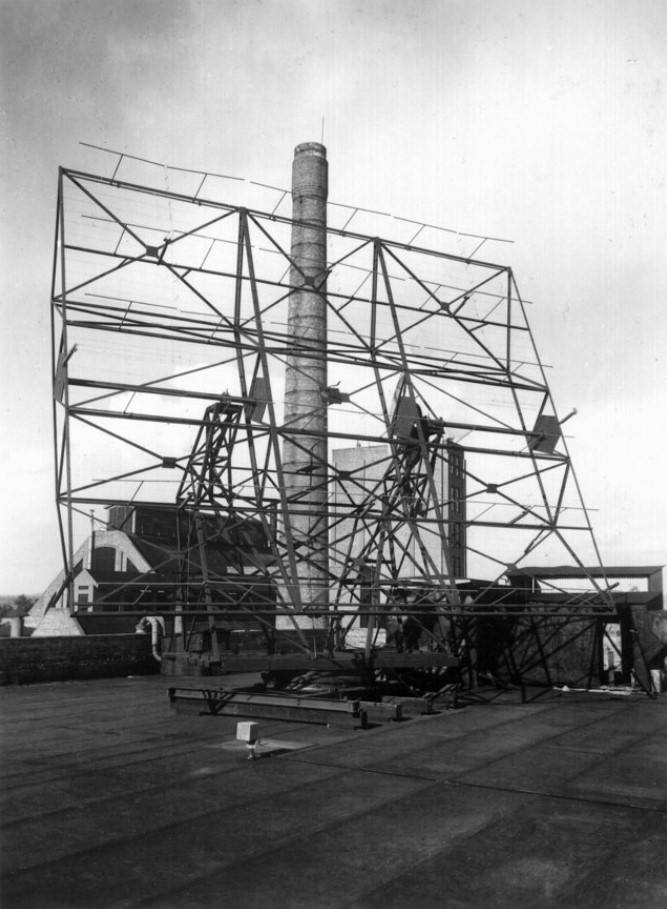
x=295 y=708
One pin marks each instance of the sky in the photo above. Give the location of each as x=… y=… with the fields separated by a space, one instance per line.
x=536 y=120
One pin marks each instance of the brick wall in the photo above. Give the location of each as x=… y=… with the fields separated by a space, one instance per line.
x=59 y=658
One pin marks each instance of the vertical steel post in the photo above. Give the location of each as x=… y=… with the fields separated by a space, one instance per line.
x=305 y=453
x=66 y=404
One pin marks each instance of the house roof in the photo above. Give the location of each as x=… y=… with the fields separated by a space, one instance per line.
x=563 y=572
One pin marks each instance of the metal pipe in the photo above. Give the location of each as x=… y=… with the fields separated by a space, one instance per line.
x=157 y=626
x=305 y=463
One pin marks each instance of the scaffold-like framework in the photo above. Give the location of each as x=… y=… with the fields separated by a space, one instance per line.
x=446 y=461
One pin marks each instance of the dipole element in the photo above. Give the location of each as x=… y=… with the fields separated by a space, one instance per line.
x=305 y=453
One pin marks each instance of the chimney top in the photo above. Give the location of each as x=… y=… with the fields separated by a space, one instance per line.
x=310 y=148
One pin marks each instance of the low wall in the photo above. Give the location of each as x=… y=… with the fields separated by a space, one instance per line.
x=88 y=657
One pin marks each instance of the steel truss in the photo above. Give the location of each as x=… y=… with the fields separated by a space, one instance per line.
x=445 y=457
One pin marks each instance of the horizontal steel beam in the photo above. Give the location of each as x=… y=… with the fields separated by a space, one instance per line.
x=258 y=215
x=339 y=661
x=232 y=401
x=293 y=708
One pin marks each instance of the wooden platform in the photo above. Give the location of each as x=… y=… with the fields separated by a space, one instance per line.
x=112 y=801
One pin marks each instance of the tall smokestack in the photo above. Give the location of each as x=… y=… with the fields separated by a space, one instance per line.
x=305 y=458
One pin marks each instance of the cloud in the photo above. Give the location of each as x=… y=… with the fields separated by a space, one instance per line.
x=538 y=121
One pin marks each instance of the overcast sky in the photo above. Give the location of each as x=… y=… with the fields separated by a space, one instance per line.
x=537 y=120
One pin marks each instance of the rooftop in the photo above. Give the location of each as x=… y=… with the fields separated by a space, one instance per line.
x=591 y=571
x=110 y=799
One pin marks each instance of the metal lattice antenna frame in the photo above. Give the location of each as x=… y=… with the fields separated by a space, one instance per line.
x=170 y=345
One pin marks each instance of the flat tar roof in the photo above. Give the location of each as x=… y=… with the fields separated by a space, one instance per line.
x=111 y=800
x=576 y=571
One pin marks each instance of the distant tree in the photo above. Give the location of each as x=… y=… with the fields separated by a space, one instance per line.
x=22 y=604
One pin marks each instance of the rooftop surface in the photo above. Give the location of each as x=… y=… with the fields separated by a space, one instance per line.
x=111 y=800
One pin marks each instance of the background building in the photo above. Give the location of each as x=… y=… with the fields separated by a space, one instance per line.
x=414 y=551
